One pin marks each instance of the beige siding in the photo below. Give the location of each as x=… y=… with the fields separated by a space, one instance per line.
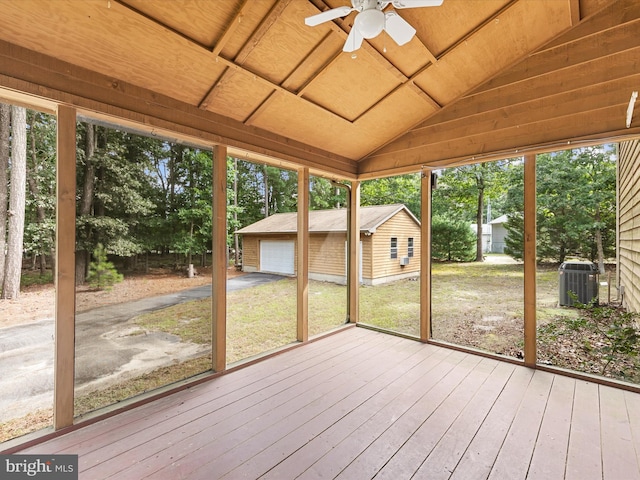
x=250 y=252
x=629 y=222
x=327 y=254
x=367 y=246
x=401 y=226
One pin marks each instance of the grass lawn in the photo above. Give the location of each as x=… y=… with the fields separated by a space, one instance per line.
x=474 y=304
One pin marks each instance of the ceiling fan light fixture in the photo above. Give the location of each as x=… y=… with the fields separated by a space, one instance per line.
x=370 y=23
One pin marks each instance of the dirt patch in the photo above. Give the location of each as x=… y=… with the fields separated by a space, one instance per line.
x=37 y=302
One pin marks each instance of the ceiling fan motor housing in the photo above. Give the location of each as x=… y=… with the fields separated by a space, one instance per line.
x=370 y=22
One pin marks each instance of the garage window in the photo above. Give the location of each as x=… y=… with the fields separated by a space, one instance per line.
x=410 y=247
x=394 y=247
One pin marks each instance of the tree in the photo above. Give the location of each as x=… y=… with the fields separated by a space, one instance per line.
x=193 y=203
x=463 y=191
x=575 y=206
x=116 y=191
x=5 y=125
x=324 y=196
x=102 y=273
x=451 y=240
x=86 y=200
x=404 y=189
x=13 y=265
x=41 y=180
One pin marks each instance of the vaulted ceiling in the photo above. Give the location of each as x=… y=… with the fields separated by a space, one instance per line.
x=481 y=79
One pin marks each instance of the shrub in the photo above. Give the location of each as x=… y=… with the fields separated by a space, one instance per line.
x=102 y=273
x=452 y=240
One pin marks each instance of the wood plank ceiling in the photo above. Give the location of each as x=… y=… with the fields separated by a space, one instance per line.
x=481 y=79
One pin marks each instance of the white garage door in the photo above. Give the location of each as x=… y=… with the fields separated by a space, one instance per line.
x=277 y=256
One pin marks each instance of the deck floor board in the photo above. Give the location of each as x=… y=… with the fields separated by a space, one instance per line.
x=362 y=404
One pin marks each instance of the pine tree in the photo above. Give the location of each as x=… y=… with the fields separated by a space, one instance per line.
x=102 y=273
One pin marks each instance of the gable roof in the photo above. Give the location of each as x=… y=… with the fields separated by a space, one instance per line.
x=325 y=221
x=500 y=219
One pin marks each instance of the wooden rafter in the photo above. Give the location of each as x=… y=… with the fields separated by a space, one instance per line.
x=231 y=28
x=285 y=83
x=574 y=9
x=260 y=32
x=547 y=73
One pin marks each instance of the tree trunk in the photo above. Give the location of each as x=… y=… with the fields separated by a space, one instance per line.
x=13 y=267
x=5 y=125
x=86 y=201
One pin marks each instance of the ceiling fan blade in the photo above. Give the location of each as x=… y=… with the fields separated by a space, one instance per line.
x=327 y=16
x=416 y=3
x=398 y=28
x=354 y=40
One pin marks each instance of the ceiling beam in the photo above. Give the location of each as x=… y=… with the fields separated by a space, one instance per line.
x=261 y=31
x=231 y=28
x=574 y=11
x=236 y=65
x=285 y=83
x=597 y=71
x=562 y=105
x=613 y=14
x=42 y=76
x=594 y=125
x=580 y=51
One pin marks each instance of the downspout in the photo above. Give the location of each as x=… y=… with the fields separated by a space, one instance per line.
x=347 y=189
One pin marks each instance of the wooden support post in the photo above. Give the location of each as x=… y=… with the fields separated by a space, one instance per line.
x=425 y=256
x=219 y=260
x=65 y=269
x=530 y=344
x=354 y=254
x=303 y=255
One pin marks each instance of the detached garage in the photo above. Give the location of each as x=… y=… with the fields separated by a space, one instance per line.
x=389 y=239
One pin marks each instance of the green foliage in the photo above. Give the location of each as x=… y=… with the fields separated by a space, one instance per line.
x=122 y=191
x=264 y=190
x=403 y=189
x=40 y=198
x=102 y=274
x=452 y=240
x=514 y=241
x=324 y=196
x=575 y=202
x=152 y=195
x=29 y=278
x=458 y=189
x=463 y=193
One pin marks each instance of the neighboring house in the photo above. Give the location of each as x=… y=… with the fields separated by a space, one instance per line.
x=389 y=240
x=629 y=224
x=486 y=236
x=498 y=234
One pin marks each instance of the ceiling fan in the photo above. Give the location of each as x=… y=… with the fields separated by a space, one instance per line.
x=371 y=20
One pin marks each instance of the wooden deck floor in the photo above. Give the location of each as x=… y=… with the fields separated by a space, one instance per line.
x=362 y=404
